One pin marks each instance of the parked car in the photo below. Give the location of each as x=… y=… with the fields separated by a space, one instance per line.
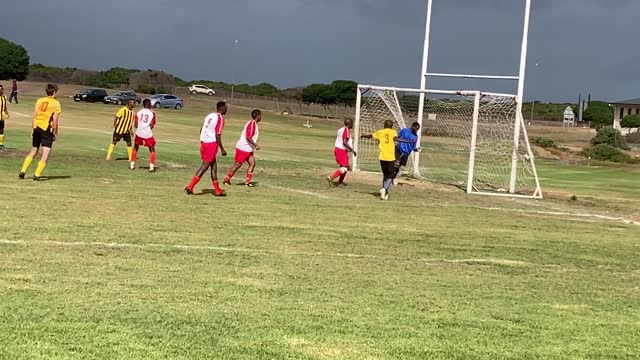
x=166 y=101
x=201 y=89
x=122 y=97
x=90 y=95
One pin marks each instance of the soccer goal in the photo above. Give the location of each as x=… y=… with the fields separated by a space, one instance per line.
x=468 y=137
x=476 y=140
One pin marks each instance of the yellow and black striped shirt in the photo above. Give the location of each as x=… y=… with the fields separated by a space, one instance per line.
x=3 y=108
x=124 y=121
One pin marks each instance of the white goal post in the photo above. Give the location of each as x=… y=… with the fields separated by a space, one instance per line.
x=468 y=142
x=486 y=129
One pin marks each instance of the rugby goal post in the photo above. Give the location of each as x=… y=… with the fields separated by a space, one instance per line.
x=476 y=140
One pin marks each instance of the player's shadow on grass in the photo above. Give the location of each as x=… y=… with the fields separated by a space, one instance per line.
x=122 y=159
x=50 y=178
x=208 y=192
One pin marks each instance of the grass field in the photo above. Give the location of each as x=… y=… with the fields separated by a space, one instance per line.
x=102 y=263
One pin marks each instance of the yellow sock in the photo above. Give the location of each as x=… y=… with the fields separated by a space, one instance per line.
x=2 y=139
x=130 y=151
x=40 y=168
x=26 y=164
x=110 y=151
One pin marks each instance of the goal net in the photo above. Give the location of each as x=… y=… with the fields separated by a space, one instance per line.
x=468 y=138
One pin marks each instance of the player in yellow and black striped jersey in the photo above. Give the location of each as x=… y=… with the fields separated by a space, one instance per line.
x=4 y=115
x=122 y=127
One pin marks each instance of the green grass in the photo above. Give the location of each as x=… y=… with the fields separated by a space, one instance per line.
x=103 y=263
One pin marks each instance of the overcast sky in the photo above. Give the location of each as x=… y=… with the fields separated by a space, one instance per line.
x=579 y=45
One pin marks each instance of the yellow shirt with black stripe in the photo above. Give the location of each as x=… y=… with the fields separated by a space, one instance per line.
x=46 y=107
x=386 y=140
x=124 y=121
x=4 y=113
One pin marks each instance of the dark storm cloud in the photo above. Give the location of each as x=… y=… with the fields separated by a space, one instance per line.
x=579 y=45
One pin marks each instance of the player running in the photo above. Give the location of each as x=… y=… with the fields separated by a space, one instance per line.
x=4 y=115
x=407 y=143
x=386 y=140
x=341 y=151
x=245 y=148
x=145 y=122
x=210 y=142
x=122 y=126
x=45 y=130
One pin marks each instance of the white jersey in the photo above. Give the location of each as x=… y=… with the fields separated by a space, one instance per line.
x=343 y=133
x=145 y=119
x=213 y=124
x=250 y=131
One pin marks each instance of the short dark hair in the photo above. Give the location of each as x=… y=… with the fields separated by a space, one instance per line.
x=348 y=120
x=255 y=113
x=51 y=89
x=220 y=105
x=415 y=123
x=388 y=124
x=146 y=103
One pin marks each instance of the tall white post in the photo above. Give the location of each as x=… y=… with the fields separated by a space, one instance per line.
x=423 y=86
x=356 y=132
x=520 y=98
x=472 y=146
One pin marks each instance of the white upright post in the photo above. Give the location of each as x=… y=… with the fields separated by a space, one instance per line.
x=423 y=86
x=356 y=133
x=520 y=97
x=472 y=146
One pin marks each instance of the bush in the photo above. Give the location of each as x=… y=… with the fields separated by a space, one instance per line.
x=605 y=152
x=633 y=138
x=630 y=122
x=545 y=142
x=599 y=113
x=14 y=61
x=609 y=136
x=147 y=89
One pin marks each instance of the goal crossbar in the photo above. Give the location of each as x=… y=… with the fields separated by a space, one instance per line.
x=469 y=76
x=436 y=92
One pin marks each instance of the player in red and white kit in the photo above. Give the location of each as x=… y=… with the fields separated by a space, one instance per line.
x=145 y=122
x=245 y=148
x=342 y=146
x=210 y=142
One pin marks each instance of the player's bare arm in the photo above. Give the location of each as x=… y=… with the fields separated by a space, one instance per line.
x=219 y=141
x=253 y=143
x=33 y=118
x=345 y=143
x=56 y=118
x=366 y=136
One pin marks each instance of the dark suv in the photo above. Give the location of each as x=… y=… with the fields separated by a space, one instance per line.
x=122 y=97
x=90 y=95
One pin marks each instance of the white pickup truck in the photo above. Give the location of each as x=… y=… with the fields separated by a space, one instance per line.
x=201 y=89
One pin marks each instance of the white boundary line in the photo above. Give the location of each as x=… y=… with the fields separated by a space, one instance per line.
x=116 y=245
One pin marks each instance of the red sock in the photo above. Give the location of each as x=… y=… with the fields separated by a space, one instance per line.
x=152 y=158
x=342 y=176
x=336 y=174
x=193 y=182
x=216 y=186
x=229 y=176
x=134 y=154
x=248 y=179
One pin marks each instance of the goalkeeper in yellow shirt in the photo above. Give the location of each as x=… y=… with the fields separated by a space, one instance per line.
x=4 y=115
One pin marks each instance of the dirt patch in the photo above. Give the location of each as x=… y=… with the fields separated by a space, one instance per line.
x=12 y=154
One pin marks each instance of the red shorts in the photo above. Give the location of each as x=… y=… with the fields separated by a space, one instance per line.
x=145 y=142
x=208 y=151
x=242 y=156
x=342 y=157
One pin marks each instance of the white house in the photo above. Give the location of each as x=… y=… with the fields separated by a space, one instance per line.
x=624 y=108
x=569 y=117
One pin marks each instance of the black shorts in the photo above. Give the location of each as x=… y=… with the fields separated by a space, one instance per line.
x=1 y=124
x=42 y=138
x=401 y=159
x=388 y=168
x=126 y=137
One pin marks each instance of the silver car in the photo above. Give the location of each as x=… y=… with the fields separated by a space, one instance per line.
x=166 y=101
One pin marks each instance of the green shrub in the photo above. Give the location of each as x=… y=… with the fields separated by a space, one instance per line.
x=633 y=138
x=630 y=122
x=605 y=152
x=609 y=136
x=147 y=89
x=545 y=142
x=599 y=113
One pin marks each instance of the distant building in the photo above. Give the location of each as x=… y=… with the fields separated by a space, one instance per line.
x=624 y=108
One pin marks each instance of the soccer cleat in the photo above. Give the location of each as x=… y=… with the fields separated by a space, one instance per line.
x=386 y=197
x=132 y=166
x=383 y=194
x=331 y=183
x=188 y=191
x=21 y=175
x=220 y=193
x=248 y=185
x=37 y=178
x=152 y=170
x=2 y=147
x=108 y=158
x=226 y=181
